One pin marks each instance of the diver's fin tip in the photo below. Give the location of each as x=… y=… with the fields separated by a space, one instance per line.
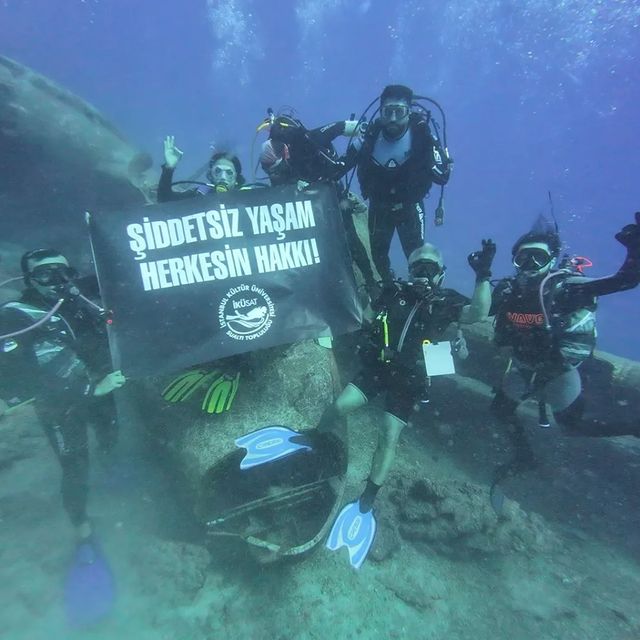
x=497 y=497
x=268 y=444
x=90 y=591
x=354 y=530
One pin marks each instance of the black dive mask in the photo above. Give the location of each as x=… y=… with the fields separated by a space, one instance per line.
x=425 y=277
x=531 y=259
x=56 y=280
x=53 y=275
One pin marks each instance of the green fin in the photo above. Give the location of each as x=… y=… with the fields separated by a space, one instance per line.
x=221 y=393
x=183 y=385
x=202 y=382
x=234 y=389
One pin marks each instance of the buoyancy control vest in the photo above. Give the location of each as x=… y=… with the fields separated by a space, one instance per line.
x=404 y=321
x=541 y=324
x=406 y=182
x=32 y=360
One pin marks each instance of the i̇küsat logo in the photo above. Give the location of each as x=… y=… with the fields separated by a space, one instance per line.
x=246 y=312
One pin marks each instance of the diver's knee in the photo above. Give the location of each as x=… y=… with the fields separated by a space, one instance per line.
x=570 y=418
x=350 y=399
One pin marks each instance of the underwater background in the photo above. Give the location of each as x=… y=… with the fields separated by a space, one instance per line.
x=540 y=96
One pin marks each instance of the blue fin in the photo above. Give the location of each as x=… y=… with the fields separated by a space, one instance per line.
x=269 y=444
x=497 y=498
x=354 y=530
x=90 y=591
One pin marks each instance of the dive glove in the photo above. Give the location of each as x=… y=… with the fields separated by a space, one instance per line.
x=629 y=236
x=480 y=261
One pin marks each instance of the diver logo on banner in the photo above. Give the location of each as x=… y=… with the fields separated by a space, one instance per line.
x=246 y=312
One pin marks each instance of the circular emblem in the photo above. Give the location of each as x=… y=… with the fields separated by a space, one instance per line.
x=246 y=312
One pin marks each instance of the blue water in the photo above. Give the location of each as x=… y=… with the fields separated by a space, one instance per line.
x=540 y=95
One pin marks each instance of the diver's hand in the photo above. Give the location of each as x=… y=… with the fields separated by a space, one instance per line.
x=480 y=261
x=172 y=154
x=459 y=346
x=109 y=383
x=629 y=236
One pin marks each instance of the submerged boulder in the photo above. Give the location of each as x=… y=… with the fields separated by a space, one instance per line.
x=283 y=507
x=456 y=517
x=59 y=157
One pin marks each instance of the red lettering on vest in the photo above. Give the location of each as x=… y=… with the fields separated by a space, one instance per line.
x=525 y=320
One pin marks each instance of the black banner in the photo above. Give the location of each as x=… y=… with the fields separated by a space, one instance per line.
x=192 y=281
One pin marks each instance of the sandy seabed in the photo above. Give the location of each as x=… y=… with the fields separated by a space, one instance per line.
x=581 y=584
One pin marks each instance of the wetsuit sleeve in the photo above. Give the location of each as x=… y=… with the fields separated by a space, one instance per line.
x=579 y=289
x=166 y=193
x=324 y=136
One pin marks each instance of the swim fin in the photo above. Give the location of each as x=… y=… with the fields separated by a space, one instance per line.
x=183 y=386
x=497 y=497
x=269 y=444
x=354 y=530
x=221 y=393
x=90 y=592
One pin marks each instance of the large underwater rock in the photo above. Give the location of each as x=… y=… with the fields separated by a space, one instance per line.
x=59 y=157
x=457 y=519
x=286 y=506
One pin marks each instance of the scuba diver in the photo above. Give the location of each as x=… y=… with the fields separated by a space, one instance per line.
x=224 y=174
x=546 y=316
x=294 y=154
x=398 y=160
x=218 y=380
x=403 y=349
x=54 y=348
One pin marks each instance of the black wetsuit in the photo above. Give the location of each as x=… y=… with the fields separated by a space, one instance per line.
x=392 y=350
x=545 y=355
x=313 y=158
x=59 y=364
x=397 y=187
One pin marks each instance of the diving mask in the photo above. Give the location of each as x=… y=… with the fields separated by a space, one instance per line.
x=425 y=276
x=531 y=259
x=394 y=111
x=53 y=275
x=223 y=175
